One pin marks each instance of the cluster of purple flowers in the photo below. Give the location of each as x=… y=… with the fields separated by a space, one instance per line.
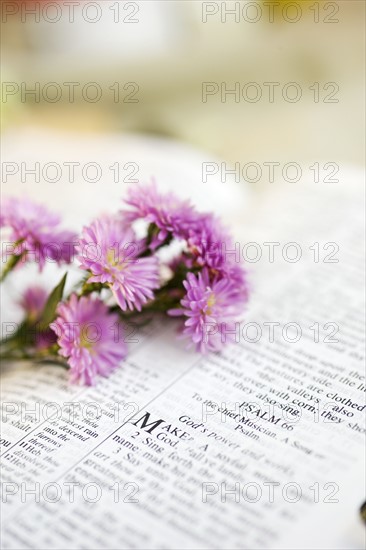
x=34 y=231
x=124 y=274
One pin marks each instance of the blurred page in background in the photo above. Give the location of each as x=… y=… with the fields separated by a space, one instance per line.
x=94 y=172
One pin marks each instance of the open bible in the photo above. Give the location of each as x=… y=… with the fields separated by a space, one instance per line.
x=260 y=446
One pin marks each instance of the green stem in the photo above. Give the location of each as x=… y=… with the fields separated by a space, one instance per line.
x=88 y=288
x=13 y=345
x=14 y=357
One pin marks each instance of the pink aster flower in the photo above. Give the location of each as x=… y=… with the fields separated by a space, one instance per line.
x=33 y=301
x=171 y=215
x=211 y=309
x=44 y=340
x=86 y=334
x=108 y=249
x=35 y=233
x=210 y=244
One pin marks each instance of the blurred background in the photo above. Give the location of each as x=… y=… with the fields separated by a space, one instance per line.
x=150 y=59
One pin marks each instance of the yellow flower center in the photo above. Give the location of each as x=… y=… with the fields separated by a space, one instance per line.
x=111 y=257
x=210 y=303
x=85 y=342
x=112 y=260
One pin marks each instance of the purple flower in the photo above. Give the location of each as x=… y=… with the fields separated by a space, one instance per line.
x=34 y=230
x=110 y=251
x=210 y=244
x=87 y=337
x=171 y=215
x=33 y=301
x=211 y=309
x=44 y=340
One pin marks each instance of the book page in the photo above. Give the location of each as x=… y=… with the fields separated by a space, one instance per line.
x=261 y=446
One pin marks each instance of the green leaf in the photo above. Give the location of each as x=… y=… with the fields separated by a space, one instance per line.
x=11 y=263
x=49 y=312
